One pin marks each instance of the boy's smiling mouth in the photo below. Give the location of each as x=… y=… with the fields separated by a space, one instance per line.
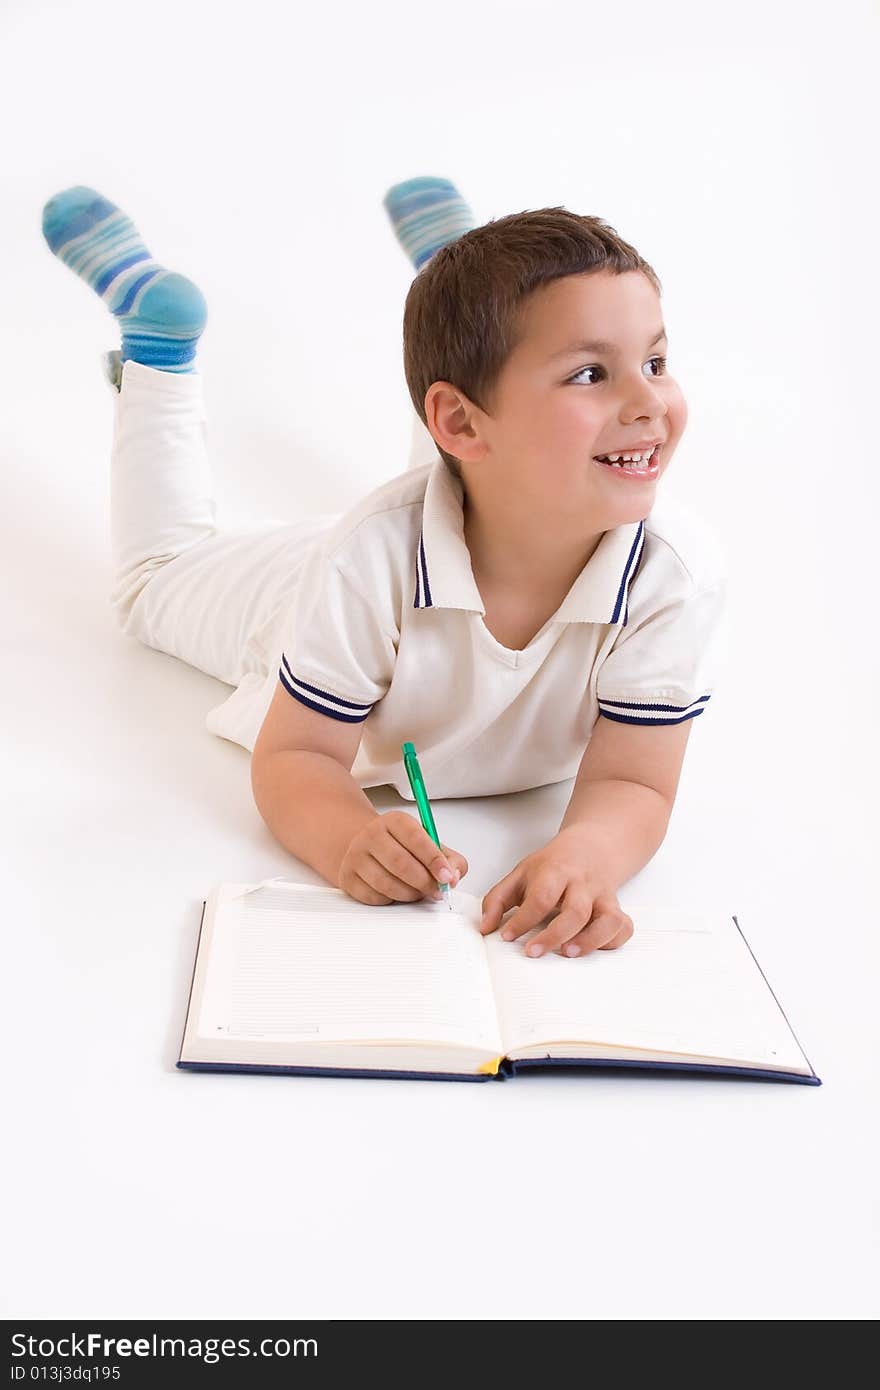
x=634 y=462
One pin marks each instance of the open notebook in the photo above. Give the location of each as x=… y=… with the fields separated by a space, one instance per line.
x=295 y=978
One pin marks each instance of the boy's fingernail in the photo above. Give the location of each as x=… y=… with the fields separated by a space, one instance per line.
x=572 y=950
x=444 y=876
x=534 y=950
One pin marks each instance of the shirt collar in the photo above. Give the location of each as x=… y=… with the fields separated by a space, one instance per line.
x=444 y=577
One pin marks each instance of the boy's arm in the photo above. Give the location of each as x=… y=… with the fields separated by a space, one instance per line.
x=624 y=793
x=304 y=790
x=302 y=783
x=615 y=822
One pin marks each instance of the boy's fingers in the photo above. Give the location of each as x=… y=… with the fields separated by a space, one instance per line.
x=409 y=833
x=458 y=862
x=539 y=901
x=362 y=891
x=605 y=933
x=566 y=926
x=409 y=852
x=620 y=939
x=504 y=895
x=373 y=872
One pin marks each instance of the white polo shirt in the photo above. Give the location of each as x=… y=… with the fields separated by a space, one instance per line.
x=386 y=630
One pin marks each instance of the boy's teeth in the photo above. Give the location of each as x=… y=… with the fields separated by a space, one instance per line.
x=637 y=461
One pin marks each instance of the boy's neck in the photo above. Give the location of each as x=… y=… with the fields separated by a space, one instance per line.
x=515 y=556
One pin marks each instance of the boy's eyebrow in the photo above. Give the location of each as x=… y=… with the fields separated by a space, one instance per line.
x=597 y=345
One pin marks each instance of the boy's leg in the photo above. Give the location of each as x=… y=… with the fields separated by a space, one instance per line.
x=426 y=213
x=181 y=585
x=161 y=314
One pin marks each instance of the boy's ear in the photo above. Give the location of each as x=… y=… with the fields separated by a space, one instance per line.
x=453 y=421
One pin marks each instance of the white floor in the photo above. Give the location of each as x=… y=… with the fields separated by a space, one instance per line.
x=135 y=1190
x=141 y=1191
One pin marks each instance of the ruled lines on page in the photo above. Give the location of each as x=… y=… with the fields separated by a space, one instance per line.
x=315 y=965
x=682 y=983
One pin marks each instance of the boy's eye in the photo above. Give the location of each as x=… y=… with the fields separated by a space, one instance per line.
x=660 y=360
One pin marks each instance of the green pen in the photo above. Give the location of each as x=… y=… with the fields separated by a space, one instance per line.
x=414 y=773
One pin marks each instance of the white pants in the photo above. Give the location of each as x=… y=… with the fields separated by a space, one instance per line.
x=210 y=596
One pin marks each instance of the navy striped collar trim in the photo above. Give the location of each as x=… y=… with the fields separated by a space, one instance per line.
x=600 y=594
x=423 y=597
x=634 y=559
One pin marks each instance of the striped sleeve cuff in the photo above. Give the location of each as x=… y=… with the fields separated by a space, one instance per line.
x=630 y=712
x=321 y=700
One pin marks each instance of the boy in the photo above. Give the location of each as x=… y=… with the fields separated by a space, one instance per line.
x=514 y=604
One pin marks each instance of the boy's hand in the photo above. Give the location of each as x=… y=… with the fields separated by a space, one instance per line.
x=393 y=860
x=558 y=879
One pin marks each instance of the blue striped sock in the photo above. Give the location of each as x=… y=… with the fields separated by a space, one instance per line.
x=161 y=313
x=426 y=213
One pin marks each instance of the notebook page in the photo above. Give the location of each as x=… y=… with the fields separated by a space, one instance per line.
x=302 y=963
x=682 y=983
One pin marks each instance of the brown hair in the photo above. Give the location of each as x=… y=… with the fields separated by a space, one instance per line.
x=462 y=314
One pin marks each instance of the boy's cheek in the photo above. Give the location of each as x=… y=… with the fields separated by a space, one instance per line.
x=678 y=414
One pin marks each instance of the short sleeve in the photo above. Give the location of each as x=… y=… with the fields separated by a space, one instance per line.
x=663 y=669
x=338 y=653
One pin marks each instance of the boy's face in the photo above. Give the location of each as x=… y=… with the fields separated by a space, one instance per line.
x=554 y=410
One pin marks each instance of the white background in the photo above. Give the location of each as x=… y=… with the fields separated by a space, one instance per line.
x=252 y=145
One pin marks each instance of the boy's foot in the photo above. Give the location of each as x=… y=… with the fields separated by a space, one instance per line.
x=427 y=213
x=161 y=313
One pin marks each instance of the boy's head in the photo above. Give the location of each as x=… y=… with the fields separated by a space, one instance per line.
x=488 y=324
